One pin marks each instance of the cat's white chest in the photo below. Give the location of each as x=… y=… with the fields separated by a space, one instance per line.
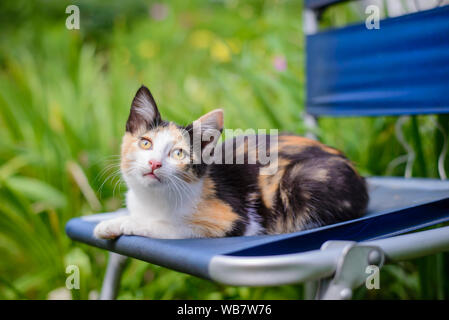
x=161 y=213
x=148 y=207
x=158 y=212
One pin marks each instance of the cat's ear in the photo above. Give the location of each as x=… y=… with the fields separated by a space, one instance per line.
x=144 y=113
x=211 y=126
x=212 y=120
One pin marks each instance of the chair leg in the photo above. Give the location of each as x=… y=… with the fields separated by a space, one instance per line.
x=310 y=290
x=111 y=281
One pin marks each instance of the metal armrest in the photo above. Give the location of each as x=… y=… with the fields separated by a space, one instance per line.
x=316 y=264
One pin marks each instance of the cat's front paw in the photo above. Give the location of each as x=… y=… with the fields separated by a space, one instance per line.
x=109 y=229
x=135 y=228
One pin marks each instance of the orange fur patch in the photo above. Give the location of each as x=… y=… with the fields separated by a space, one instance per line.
x=128 y=146
x=292 y=221
x=213 y=218
x=296 y=142
x=208 y=188
x=268 y=184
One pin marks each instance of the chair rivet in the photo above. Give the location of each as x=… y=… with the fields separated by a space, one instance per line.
x=374 y=257
x=346 y=294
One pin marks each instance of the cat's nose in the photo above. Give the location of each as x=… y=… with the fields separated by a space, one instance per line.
x=155 y=164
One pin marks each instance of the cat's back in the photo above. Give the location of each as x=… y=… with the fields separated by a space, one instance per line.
x=287 y=183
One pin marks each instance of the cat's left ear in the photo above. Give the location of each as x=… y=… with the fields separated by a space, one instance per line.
x=144 y=113
x=212 y=120
x=211 y=125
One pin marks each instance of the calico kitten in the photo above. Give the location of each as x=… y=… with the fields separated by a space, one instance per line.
x=173 y=194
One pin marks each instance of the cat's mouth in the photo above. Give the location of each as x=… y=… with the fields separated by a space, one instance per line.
x=151 y=175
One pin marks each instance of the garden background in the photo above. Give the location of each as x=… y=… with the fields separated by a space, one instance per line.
x=64 y=100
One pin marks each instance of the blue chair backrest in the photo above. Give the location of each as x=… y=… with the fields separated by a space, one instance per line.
x=401 y=68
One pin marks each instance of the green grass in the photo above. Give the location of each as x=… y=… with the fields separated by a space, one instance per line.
x=65 y=97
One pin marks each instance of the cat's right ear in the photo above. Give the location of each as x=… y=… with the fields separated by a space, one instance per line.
x=144 y=113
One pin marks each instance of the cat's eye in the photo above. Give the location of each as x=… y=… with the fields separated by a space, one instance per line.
x=145 y=144
x=178 y=154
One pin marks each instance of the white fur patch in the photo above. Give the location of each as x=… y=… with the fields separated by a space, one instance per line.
x=254 y=226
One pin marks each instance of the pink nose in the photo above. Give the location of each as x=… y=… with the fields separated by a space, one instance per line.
x=155 y=164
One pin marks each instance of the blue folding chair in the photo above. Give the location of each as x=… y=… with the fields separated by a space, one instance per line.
x=400 y=69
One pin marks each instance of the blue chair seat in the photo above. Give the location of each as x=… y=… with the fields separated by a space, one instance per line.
x=397 y=206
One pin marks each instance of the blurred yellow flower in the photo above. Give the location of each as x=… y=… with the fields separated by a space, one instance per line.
x=201 y=38
x=147 y=49
x=220 y=51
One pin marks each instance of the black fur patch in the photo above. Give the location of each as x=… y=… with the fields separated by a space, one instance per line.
x=144 y=112
x=324 y=190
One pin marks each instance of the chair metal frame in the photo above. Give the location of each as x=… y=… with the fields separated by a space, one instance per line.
x=333 y=271
x=337 y=268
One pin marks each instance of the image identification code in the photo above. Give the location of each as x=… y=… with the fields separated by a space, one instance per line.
x=225 y=309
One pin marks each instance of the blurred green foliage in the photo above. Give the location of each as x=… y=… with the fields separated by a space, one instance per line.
x=65 y=96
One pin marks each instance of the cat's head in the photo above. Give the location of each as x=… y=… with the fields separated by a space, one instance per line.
x=158 y=153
